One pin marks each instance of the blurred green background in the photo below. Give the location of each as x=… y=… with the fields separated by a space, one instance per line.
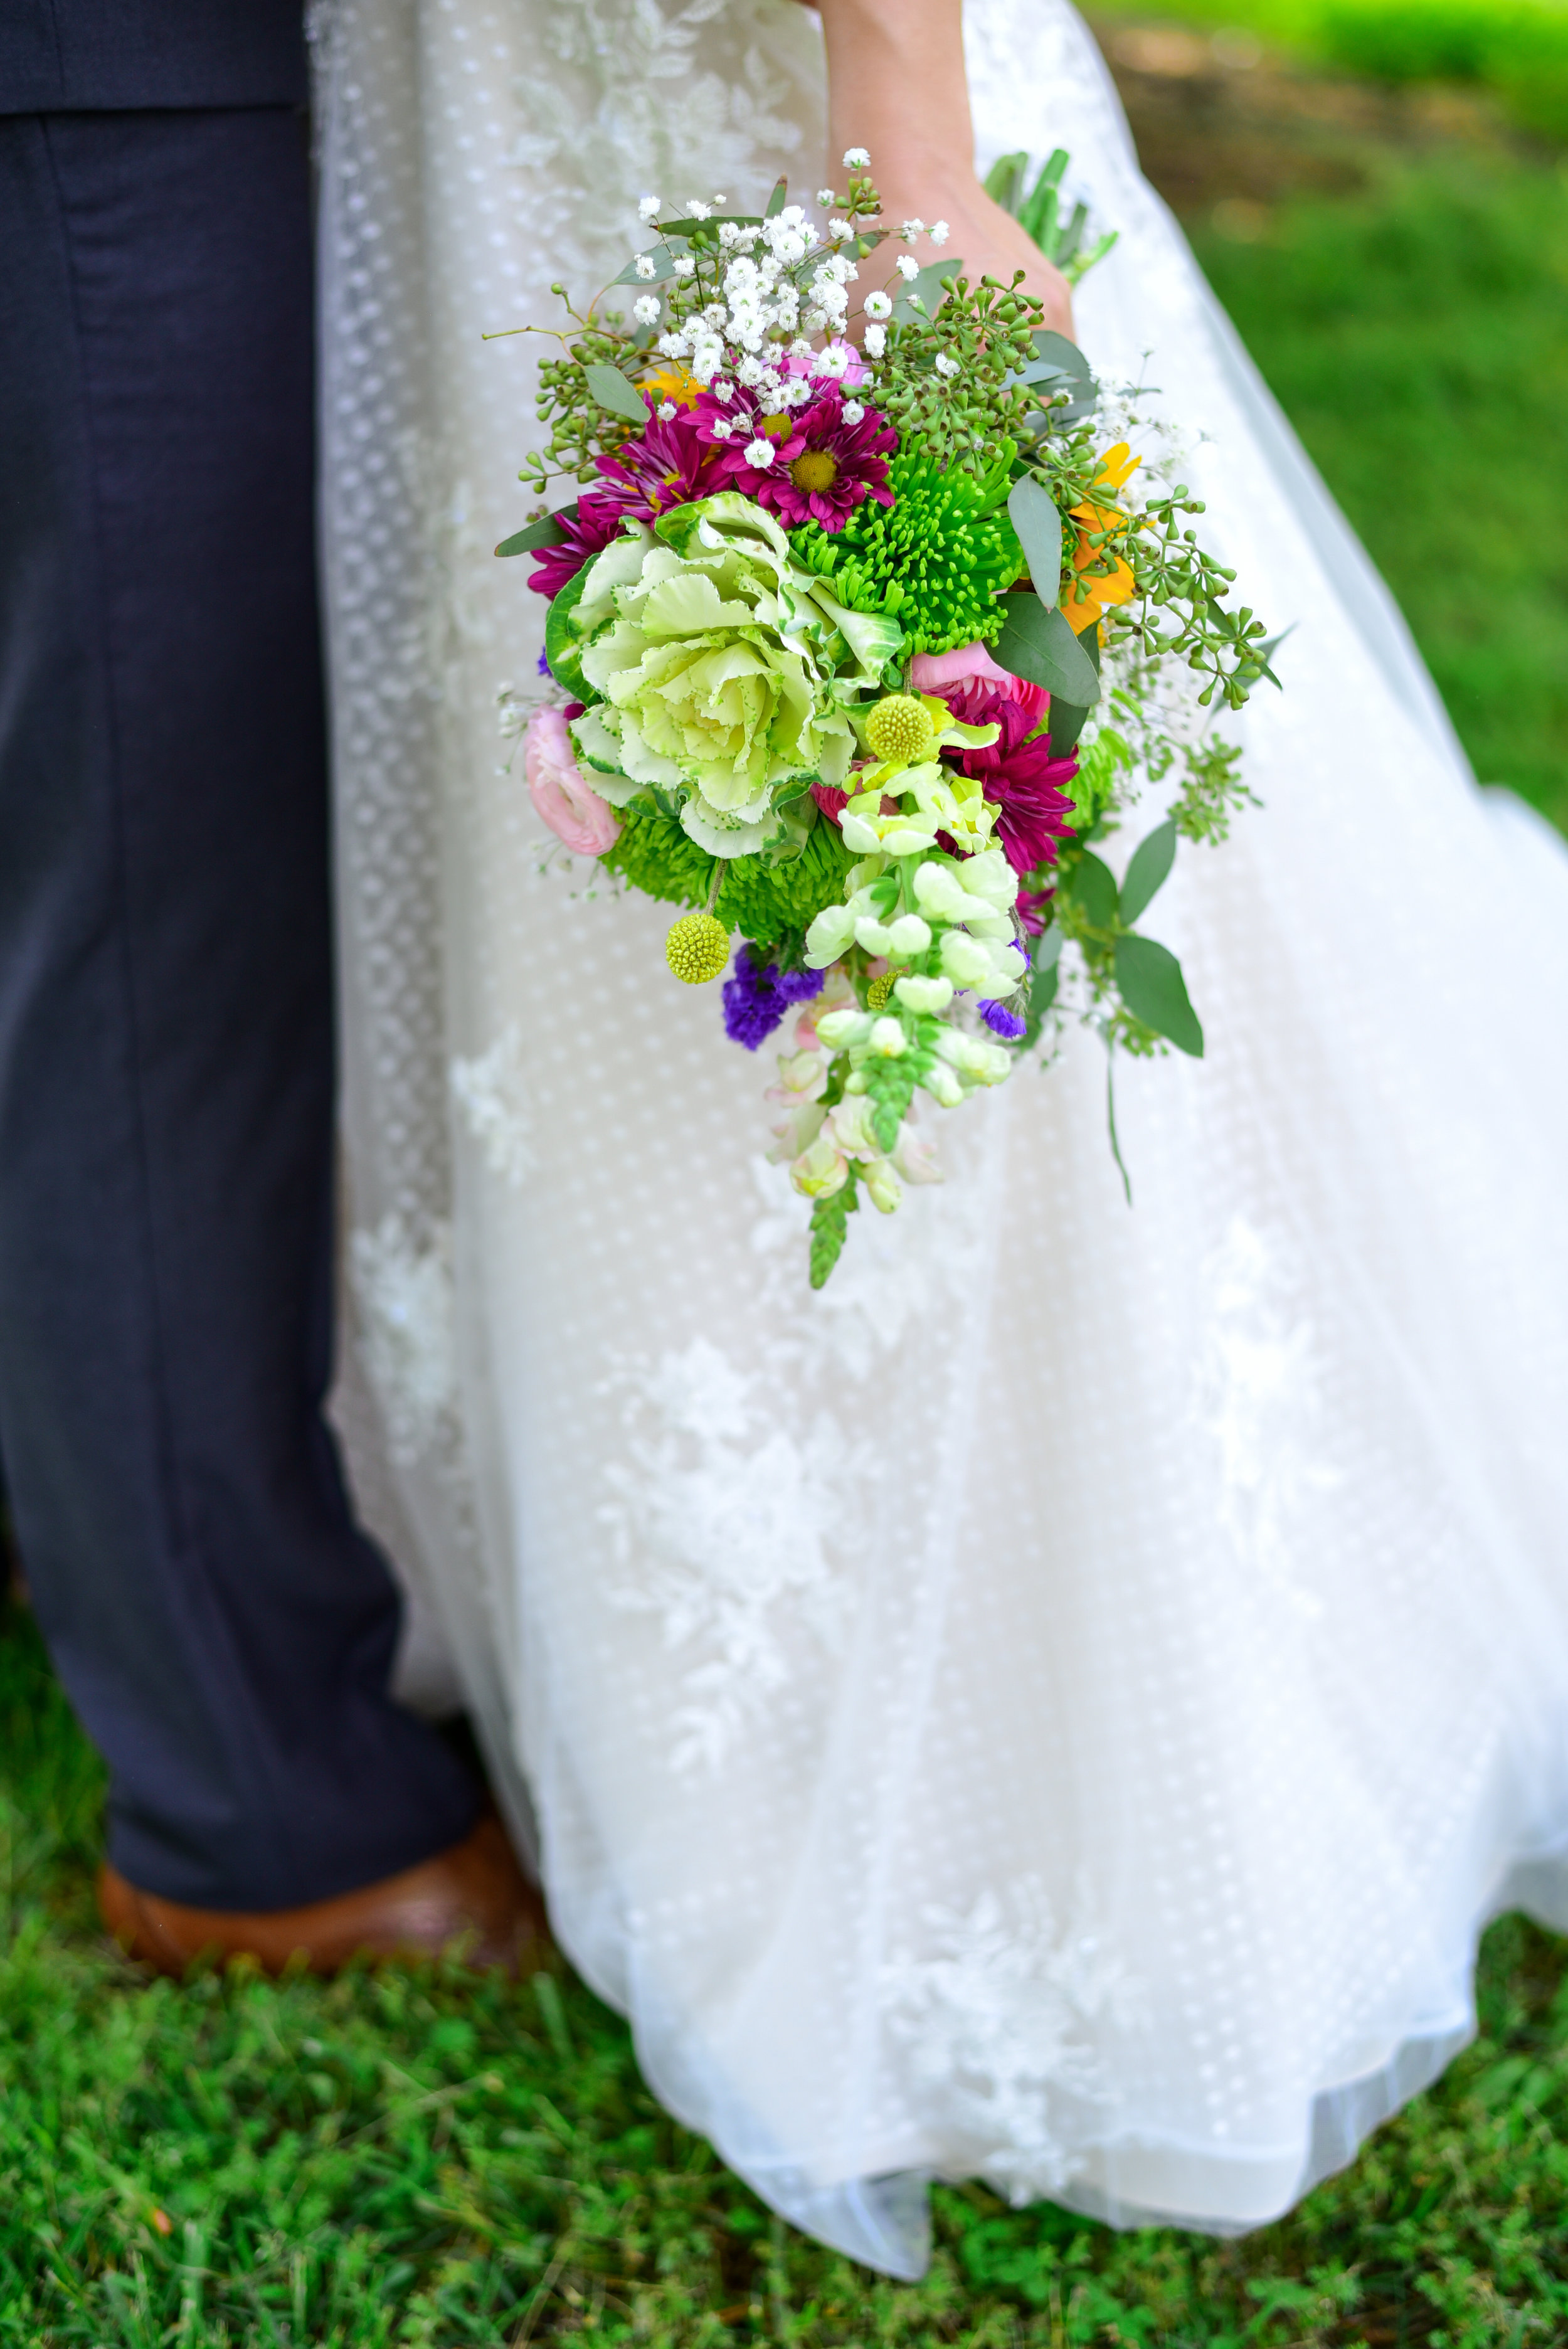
x=1378 y=193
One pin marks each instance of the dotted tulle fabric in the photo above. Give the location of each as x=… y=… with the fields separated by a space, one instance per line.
x=1058 y=1704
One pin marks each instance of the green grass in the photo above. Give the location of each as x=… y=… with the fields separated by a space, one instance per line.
x=1517 y=49
x=1417 y=335
x=417 y=2159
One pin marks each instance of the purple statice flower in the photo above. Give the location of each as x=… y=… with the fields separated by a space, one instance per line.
x=756 y=998
x=1003 y=1022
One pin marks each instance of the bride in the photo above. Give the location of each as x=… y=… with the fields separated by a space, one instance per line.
x=1059 y=1704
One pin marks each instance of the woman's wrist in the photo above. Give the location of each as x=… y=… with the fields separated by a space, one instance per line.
x=897 y=88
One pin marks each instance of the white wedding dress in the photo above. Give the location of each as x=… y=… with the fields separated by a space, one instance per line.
x=1058 y=1705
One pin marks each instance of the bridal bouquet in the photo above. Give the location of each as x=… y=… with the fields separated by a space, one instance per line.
x=859 y=645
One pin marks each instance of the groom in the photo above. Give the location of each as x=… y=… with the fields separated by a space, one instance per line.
x=224 y=1629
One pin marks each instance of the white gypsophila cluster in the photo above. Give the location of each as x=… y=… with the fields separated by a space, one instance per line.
x=1124 y=413
x=779 y=288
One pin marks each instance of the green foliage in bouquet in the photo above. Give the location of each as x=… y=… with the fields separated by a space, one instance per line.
x=771 y=903
x=939 y=557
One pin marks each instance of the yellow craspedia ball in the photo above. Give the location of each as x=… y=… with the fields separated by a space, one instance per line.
x=900 y=727
x=696 y=948
x=880 y=989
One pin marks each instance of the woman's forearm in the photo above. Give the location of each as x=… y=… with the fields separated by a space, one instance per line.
x=897 y=87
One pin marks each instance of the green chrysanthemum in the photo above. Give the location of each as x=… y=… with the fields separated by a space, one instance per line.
x=768 y=903
x=939 y=557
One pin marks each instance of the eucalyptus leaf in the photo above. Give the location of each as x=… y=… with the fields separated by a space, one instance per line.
x=1036 y=643
x=925 y=288
x=1147 y=873
x=545 y=531
x=1155 y=991
x=1049 y=949
x=1066 y=724
x=1093 y=887
x=1034 y=514
x=664 y=266
x=776 y=201
x=689 y=228
x=1042 y=995
x=609 y=387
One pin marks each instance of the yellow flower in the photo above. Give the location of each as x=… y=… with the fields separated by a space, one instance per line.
x=1086 y=603
x=673 y=382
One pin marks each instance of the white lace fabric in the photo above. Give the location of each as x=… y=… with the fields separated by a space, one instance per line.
x=1057 y=1704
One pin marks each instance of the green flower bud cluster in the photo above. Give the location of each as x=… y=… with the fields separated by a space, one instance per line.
x=771 y=905
x=580 y=429
x=944 y=385
x=939 y=557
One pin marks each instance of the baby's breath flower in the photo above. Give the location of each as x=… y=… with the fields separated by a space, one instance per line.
x=946 y=364
x=856 y=159
x=839 y=229
x=853 y=411
x=645 y=310
x=721 y=428
x=875 y=340
x=907 y=265
x=825 y=197
x=722 y=390
x=759 y=452
x=666 y=412
x=698 y=211
x=648 y=208
x=939 y=231
x=911 y=229
x=645 y=264
x=684 y=268
x=672 y=346
x=878 y=305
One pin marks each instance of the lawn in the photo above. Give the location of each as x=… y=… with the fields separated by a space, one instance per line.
x=412 y=2159
x=1398 y=261
x=417 y=2159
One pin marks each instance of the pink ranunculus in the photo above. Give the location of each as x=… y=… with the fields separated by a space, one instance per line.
x=972 y=664
x=572 y=808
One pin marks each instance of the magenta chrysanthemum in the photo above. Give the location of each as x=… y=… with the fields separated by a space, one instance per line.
x=666 y=464
x=595 y=522
x=669 y=464
x=1018 y=775
x=823 y=466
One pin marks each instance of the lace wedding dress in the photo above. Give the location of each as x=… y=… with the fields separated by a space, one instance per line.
x=1058 y=1705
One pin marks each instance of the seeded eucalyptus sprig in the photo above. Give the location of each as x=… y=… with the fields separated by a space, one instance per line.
x=953 y=383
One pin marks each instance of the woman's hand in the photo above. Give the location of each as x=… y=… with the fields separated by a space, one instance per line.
x=896 y=87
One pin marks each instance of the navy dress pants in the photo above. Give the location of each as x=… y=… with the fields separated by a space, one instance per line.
x=224 y=1629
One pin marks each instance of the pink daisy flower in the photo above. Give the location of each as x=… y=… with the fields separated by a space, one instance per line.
x=821 y=466
x=1018 y=775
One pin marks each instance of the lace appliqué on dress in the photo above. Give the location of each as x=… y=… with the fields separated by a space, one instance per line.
x=491 y=1092
x=997 y=2029
x=726 y=1517
x=405 y=1298
x=1259 y=1399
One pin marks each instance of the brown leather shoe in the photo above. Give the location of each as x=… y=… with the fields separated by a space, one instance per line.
x=474 y=1894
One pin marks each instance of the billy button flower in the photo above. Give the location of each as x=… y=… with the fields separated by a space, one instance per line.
x=1103 y=578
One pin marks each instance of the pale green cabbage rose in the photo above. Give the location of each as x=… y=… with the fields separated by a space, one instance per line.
x=727 y=673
